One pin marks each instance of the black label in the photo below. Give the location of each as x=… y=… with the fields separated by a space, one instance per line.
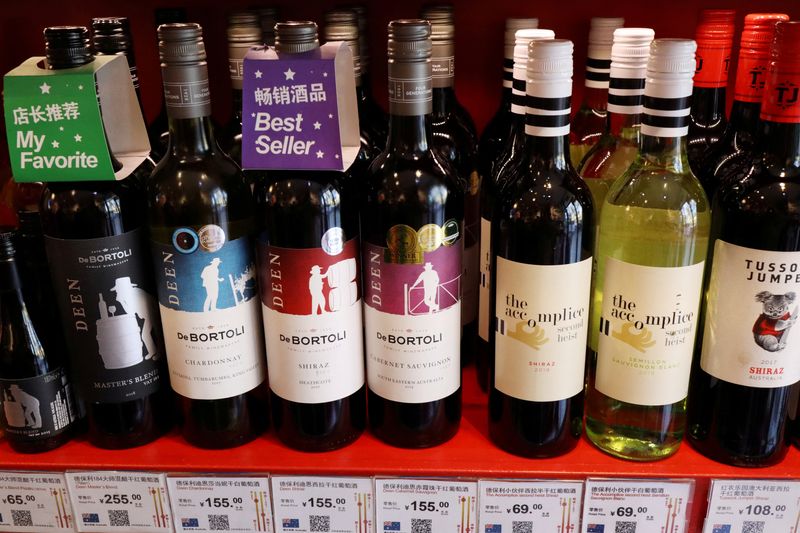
x=36 y=408
x=105 y=296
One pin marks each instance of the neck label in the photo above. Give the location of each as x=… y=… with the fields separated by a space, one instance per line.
x=598 y=72
x=548 y=116
x=625 y=95
x=410 y=89
x=781 y=102
x=666 y=108
x=713 y=61
x=186 y=92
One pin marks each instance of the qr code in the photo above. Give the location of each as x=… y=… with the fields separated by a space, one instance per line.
x=319 y=524
x=625 y=527
x=421 y=525
x=522 y=527
x=21 y=518
x=753 y=527
x=118 y=518
x=219 y=522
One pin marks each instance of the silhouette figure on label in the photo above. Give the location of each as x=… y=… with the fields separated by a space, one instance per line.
x=430 y=285
x=21 y=409
x=315 y=285
x=211 y=281
x=139 y=302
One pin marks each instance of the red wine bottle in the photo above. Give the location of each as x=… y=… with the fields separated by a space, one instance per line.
x=412 y=218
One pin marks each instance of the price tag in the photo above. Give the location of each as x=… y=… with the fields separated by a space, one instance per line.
x=305 y=504
x=753 y=505
x=206 y=503
x=636 y=505
x=513 y=506
x=34 y=501
x=425 y=505
x=119 y=501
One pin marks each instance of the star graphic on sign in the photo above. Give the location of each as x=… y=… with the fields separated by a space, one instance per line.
x=78 y=138
x=320 y=154
x=258 y=74
x=80 y=87
x=44 y=88
x=61 y=128
x=289 y=74
x=330 y=115
x=55 y=144
x=317 y=125
x=324 y=74
x=253 y=115
x=336 y=156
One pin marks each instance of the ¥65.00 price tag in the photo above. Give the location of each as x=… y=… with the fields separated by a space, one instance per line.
x=636 y=505
x=425 y=505
x=119 y=501
x=753 y=505
x=306 y=504
x=208 y=503
x=34 y=501
x=512 y=506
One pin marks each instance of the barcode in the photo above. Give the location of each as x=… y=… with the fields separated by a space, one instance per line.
x=753 y=527
x=219 y=522
x=319 y=524
x=522 y=527
x=625 y=527
x=21 y=518
x=118 y=518
x=421 y=525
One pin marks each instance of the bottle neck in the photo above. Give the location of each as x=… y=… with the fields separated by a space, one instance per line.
x=780 y=145
x=624 y=125
x=236 y=102
x=708 y=106
x=744 y=116
x=190 y=130
x=408 y=133
x=444 y=101
x=595 y=98
x=553 y=151
x=9 y=279
x=665 y=152
x=191 y=137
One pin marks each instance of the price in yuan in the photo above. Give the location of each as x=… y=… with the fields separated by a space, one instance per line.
x=524 y=508
x=18 y=499
x=629 y=511
x=117 y=499
x=762 y=510
x=324 y=503
x=417 y=505
x=220 y=502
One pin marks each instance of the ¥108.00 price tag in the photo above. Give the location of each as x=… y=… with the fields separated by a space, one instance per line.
x=306 y=504
x=636 y=506
x=210 y=503
x=425 y=505
x=119 y=501
x=753 y=505
x=514 y=506
x=34 y=501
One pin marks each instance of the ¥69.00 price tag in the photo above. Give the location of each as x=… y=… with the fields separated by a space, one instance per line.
x=210 y=503
x=425 y=505
x=636 y=505
x=305 y=504
x=119 y=501
x=753 y=505
x=512 y=506
x=34 y=501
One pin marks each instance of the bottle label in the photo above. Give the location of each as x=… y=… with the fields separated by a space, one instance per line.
x=209 y=307
x=410 y=89
x=751 y=75
x=666 y=108
x=443 y=64
x=598 y=72
x=549 y=106
x=713 y=61
x=750 y=337
x=647 y=330
x=542 y=314
x=312 y=319
x=186 y=91
x=781 y=102
x=36 y=408
x=413 y=313
x=485 y=287
x=105 y=297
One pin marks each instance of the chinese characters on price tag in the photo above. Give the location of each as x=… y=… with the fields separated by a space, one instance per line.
x=642 y=506
x=306 y=504
x=425 y=505
x=749 y=505
x=514 y=506
x=36 y=502
x=119 y=501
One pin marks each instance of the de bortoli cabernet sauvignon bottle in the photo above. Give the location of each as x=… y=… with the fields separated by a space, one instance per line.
x=412 y=220
x=543 y=235
x=310 y=292
x=100 y=266
x=201 y=222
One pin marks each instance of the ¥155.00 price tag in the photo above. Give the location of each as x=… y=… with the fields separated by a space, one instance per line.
x=641 y=505
x=34 y=501
x=120 y=501
x=210 y=503
x=425 y=505
x=306 y=504
x=755 y=505
x=513 y=506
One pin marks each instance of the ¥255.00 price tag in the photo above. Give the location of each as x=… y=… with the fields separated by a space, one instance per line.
x=636 y=506
x=210 y=503
x=425 y=505
x=34 y=501
x=306 y=504
x=513 y=506
x=120 y=501
x=755 y=505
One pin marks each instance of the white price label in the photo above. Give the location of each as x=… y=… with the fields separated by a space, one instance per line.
x=425 y=505
x=510 y=506
x=34 y=501
x=120 y=501
x=211 y=503
x=641 y=506
x=755 y=505
x=305 y=504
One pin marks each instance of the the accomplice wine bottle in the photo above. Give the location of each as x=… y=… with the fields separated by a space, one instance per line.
x=38 y=410
x=201 y=222
x=542 y=236
x=651 y=247
x=102 y=278
x=747 y=363
x=412 y=220
x=310 y=276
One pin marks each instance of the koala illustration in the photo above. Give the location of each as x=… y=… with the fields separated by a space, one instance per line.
x=774 y=323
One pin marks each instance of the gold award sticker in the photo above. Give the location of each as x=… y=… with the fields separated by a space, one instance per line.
x=451 y=232
x=401 y=242
x=212 y=237
x=429 y=237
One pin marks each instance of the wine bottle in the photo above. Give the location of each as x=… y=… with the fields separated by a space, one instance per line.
x=309 y=276
x=201 y=220
x=589 y=121
x=268 y=16
x=412 y=218
x=159 y=127
x=746 y=364
x=651 y=246
x=38 y=411
x=617 y=148
x=511 y=156
x=543 y=236
x=96 y=245
x=738 y=142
